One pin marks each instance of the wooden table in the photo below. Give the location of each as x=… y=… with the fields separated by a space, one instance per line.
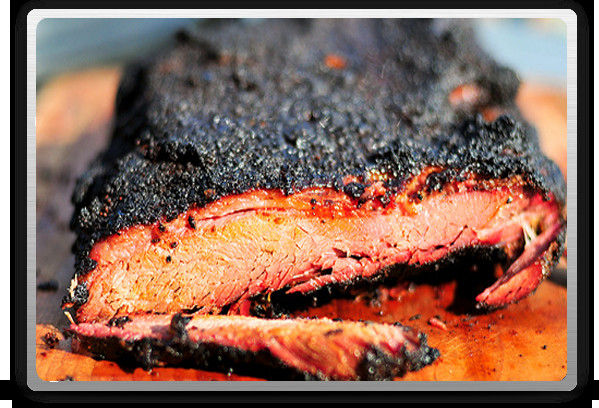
x=526 y=341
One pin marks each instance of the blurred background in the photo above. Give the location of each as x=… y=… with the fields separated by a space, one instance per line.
x=536 y=48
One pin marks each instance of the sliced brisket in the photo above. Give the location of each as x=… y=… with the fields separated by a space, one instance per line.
x=263 y=241
x=320 y=349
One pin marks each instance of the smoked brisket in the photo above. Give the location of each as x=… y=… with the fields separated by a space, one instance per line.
x=290 y=155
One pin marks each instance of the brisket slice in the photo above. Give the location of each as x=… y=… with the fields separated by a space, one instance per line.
x=320 y=349
x=221 y=255
x=294 y=155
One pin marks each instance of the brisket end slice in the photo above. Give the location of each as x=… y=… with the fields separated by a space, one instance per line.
x=320 y=349
x=293 y=155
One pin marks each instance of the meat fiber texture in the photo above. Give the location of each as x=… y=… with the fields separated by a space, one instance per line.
x=236 y=113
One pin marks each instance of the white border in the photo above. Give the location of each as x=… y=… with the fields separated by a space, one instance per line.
x=569 y=382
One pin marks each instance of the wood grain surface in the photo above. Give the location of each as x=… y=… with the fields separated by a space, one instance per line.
x=526 y=341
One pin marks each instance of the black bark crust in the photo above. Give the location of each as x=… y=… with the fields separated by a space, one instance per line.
x=231 y=107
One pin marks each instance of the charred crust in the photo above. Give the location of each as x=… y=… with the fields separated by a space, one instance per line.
x=81 y=294
x=145 y=353
x=83 y=265
x=118 y=321
x=76 y=297
x=354 y=190
x=557 y=248
x=51 y=339
x=192 y=222
x=435 y=181
x=376 y=365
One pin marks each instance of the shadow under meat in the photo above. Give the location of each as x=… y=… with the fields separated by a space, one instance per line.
x=464 y=274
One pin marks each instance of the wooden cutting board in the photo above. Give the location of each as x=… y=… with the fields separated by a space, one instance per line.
x=526 y=341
